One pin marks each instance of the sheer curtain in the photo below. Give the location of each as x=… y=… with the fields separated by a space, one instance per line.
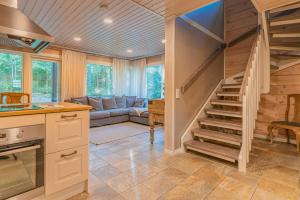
x=73 y=79
x=129 y=77
x=138 y=82
x=121 y=76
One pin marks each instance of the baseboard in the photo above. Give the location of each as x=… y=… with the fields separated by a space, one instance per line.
x=276 y=139
x=174 y=152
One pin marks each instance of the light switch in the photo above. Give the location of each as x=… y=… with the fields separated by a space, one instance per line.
x=177 y=94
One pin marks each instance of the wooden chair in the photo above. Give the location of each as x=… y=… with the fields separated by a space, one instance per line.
x=14 y=98
x=293 y=125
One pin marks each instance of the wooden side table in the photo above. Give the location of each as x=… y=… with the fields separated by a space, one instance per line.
x=156 y=110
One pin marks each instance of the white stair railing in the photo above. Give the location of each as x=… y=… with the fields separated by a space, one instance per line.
x=250 y=95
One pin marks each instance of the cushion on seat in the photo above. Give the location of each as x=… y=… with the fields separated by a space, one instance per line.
x=118 y=112
x=134 y=112
x=99 y=114
x=139 y=102
x=109 y=103
x=121 y=101
x=96 y=103
x=80 y=100
x=130 y=101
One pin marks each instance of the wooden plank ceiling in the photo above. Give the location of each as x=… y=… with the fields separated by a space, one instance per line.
x=137 y=24
x=264 y=5
x=133 y=27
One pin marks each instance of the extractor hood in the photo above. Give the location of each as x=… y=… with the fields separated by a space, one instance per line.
x=18 y=32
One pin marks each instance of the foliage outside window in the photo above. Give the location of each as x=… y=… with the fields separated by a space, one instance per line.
x=99 y=80
x=45 y=81
x=10 y=72
x=154 y=82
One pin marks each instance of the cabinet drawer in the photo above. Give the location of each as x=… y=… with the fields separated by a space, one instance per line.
x=65 y=169
x=66 y=130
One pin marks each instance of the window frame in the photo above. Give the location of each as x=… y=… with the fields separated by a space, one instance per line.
x=162 y=78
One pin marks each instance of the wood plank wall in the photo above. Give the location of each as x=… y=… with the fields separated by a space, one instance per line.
x=240 y=17
x=273 y=105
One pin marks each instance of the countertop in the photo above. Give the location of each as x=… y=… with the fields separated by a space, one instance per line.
x=61 y=107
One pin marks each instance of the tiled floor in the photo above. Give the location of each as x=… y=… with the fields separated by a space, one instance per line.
x=133 y=169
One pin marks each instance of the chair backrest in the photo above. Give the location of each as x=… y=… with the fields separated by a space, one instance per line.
x=14 y=98
x=296 y=116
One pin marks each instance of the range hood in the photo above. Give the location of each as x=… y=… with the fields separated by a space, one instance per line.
x=18 y=32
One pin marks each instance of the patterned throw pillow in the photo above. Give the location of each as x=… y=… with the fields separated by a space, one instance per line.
x=80 y=100
x=121 y=101
x=96 y=103
x=139 y=102
x=130 y=101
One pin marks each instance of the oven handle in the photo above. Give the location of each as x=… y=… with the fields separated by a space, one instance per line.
x=20 y=150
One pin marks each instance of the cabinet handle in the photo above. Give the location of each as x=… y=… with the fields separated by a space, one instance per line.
x=68 y=116
x=68 y=155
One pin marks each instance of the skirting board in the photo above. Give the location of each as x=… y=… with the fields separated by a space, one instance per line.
x=174 y=152
x=276 y=139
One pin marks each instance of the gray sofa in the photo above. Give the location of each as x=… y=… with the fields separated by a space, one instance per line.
x=115 y=109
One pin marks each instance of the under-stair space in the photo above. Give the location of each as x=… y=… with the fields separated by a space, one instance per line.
x=284 y=36
x=220 y=133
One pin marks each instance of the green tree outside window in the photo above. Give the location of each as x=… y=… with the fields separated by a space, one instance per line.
x=154 y=82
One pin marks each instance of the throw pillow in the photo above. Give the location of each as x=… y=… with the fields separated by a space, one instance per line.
x=80 y=100
x=109 y=103
x=139 y=102
x=121 y=101
x=96 y=103
x=130 y=101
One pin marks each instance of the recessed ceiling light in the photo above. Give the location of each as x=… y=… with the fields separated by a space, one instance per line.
x=77 y=39
x=108 y=21
x=163 y=41
x=129 y=51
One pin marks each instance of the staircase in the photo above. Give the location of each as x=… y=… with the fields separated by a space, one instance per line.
x=220 y=132
x=226 y=126
x=284 y=36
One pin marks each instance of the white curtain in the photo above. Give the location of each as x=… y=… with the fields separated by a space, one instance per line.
x=138 y=82
x=121 y=77
x=73 y=73
x=129 y=77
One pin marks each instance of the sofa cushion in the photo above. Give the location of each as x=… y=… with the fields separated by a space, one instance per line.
x=109 y=103
x=118 y=112
x=138 y=112
x=99 y=115
x=80 y=100
x=96 y=103
x=139 y=102
x=121 y=101
x=130 y=101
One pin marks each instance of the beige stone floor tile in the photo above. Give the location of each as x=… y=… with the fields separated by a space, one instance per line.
x=232 y=189
x=94 y=181
x=265 y=195
x=101 y=152
x=180 y=193
x=277 y=189
x=106 y=172
x=121 y=182
x=139 y=192
x=124 y=165
x=282 y=175
x=165 y=180
x=113 y=158
x=96 y=163
x=119 y=197
x=104 y=193
x=205 y=180
x=142 y=173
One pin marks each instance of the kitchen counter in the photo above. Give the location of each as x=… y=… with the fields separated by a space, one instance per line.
x=60 y=107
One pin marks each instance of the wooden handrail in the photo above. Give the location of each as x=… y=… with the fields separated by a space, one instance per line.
x=202 y=68
x=243 y=36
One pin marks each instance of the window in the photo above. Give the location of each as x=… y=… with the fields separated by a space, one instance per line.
x=154 y=82
x=45 y=81
x=99 y=80
x=10 y=72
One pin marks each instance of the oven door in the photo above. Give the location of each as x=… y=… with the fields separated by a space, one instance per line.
x=21 y=168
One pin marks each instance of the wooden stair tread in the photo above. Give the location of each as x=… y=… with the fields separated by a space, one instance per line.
x=239 y=77
x=285 y=20
x=226 y=103
x=229 y=113
x=231 y=86
x=221 y=123
x=218 y=136
x=231 y=94
x=209 y=148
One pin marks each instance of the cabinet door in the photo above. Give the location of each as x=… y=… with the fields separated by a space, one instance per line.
x=66 y=130
x=65 y=169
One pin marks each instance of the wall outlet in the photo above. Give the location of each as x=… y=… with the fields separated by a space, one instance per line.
x=178 y=94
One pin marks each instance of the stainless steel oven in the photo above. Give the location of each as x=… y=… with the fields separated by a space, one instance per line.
x=22 y=162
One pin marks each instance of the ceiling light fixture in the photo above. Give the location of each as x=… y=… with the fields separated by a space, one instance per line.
x=77 y=39
x=129 y=51
x=163 y=41
x=108 y=21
